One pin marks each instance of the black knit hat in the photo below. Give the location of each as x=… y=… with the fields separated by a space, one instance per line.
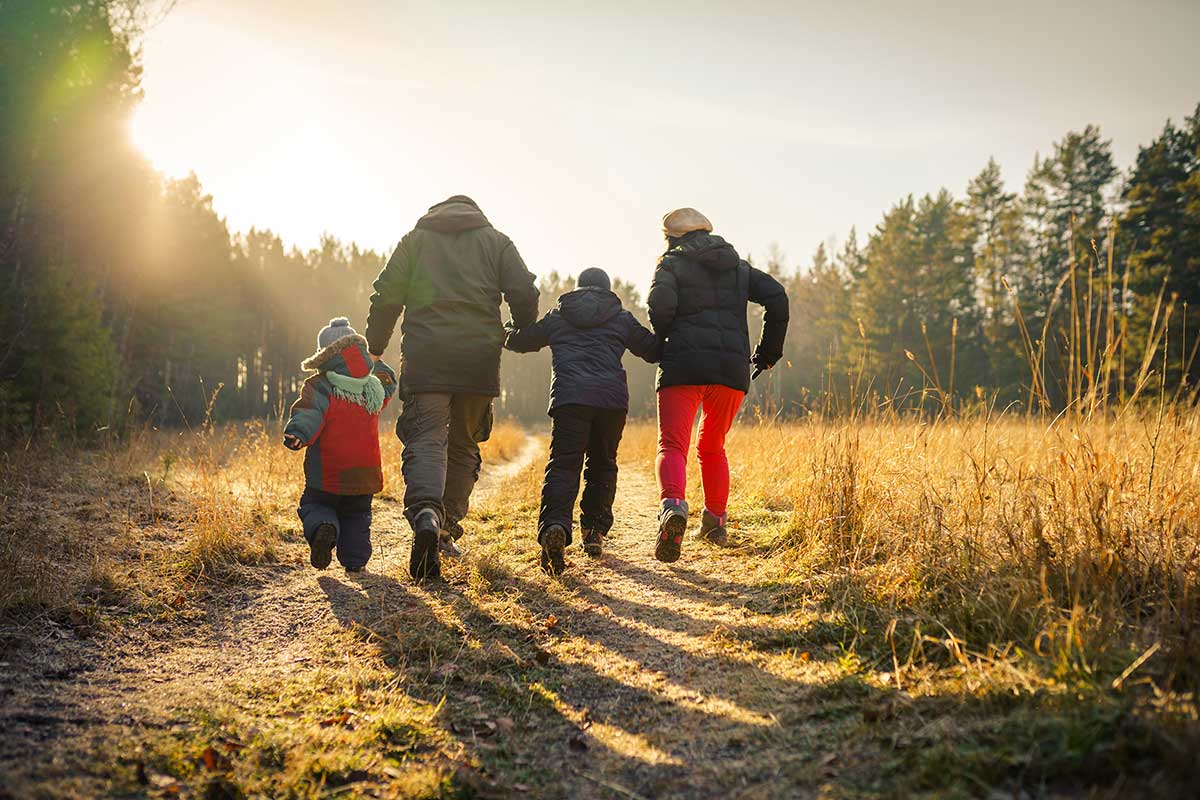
x=596 y=277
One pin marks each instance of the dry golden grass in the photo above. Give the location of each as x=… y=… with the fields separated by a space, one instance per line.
x=1079 y=541
x=158 y=512
x=911 y=609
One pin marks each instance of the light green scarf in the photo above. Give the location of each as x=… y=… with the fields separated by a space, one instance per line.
x=366 y=392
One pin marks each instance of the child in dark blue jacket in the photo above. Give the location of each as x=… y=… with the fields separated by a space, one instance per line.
x=589 y=399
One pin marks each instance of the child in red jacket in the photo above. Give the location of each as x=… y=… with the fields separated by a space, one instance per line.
x=337 y=418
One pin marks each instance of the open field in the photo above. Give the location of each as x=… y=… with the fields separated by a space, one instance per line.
x=983 y=608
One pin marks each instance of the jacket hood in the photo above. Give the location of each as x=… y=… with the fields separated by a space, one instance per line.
x=589 y=307
x=347 y=356
x=455 y=214
x=706 y=249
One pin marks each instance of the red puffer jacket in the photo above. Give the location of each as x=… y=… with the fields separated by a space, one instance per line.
x=337 y=418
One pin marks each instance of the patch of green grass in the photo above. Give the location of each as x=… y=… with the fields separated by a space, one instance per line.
x=1034 y=746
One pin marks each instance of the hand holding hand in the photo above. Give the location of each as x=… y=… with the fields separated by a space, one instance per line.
x=292 y=442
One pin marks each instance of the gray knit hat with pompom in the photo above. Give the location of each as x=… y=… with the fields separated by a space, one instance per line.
x=336 y=329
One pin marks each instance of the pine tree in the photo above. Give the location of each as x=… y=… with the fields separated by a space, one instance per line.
x=814 y=364
x=1161 y=232
x=997 y=228
x=1065 y=206
x=916 y=301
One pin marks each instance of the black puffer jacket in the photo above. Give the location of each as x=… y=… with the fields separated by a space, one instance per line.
x=448 y=276
x=698 y=306
x=587 y=334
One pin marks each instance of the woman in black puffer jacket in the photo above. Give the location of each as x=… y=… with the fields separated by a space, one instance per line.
x=698 y=306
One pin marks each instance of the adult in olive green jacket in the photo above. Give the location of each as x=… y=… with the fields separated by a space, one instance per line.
x=447 y=277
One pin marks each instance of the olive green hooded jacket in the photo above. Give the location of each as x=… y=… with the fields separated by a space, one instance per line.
x=448 y=276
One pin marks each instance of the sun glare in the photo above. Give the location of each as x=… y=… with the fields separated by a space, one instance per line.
x=138 y=133
x=144 y=137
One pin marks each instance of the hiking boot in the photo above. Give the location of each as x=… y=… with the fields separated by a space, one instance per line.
x=447 y=546
x=320 y=549
x=672 y=523
x=593 y=542
x=423 y=563
x=354 y=570
x=554 y=543
x=712 y=529
x=448 y=538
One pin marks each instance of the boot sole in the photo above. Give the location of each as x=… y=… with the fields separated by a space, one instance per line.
x=670 y=538
x=320 y=549
x=554 y=543
x=423 y=563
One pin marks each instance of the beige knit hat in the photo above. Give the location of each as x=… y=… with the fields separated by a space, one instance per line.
x=684 y=220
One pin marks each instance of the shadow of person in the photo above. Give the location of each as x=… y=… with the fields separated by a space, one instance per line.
x=614 y=727
x=681 y=581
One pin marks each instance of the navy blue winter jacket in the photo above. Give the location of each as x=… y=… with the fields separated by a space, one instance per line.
x=587 y=334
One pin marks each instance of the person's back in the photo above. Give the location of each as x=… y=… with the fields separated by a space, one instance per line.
x=588 y=334
x=337 y=418
x=701 y=293
x=589 y=399
x=447 y=276
x=698 y=304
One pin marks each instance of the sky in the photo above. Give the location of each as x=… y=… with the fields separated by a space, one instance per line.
x=577 y=125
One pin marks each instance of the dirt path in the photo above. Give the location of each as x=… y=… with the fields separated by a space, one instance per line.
x=675 y=680
x=78 y=709
x=624 y=678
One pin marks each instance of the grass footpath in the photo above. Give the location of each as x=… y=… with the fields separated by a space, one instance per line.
x=851 y=644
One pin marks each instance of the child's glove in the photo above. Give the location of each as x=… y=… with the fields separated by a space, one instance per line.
x=292 y=442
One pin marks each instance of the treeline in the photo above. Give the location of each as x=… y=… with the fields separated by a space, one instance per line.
x=1078 y=290
x=124 y=297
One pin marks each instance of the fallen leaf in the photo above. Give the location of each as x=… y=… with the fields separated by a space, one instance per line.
x=505 y=724
x=213 y=761
x=551 y=621
x=340 y=719
x=521 y=787
x=805 y=656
